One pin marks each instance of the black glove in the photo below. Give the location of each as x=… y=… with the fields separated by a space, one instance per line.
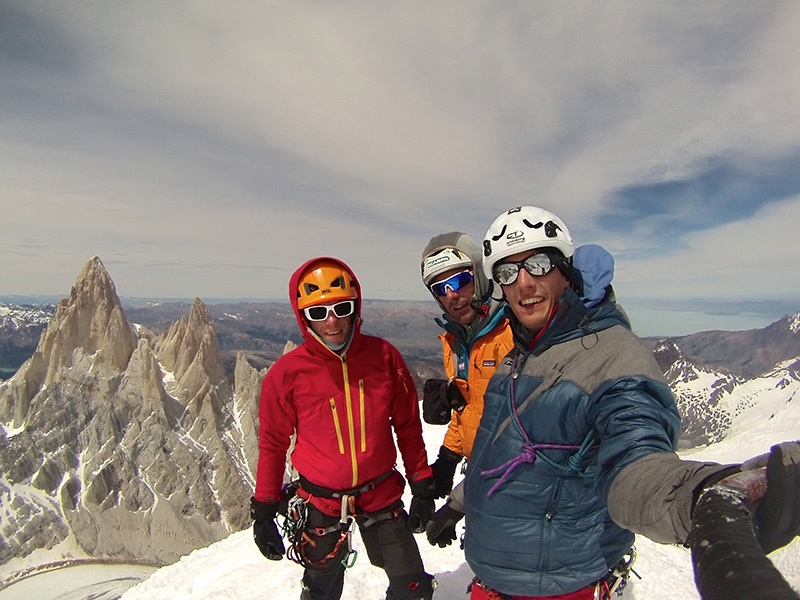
x=422 y=504
x=439 y=397
x=444 y=470
x=265 y=531
x=777 y=514
x=441 y=529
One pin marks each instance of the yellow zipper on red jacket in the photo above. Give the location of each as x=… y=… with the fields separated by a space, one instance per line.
x=362 y=408
x=336 y=425
x=350 y=421
x=350 y=417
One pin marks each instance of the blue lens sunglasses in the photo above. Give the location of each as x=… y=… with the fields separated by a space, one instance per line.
x=452 y=283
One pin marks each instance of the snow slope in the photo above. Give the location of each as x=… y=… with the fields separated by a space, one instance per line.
x=233 y=569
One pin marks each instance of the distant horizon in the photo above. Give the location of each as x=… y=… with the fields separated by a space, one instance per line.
x=666 y=318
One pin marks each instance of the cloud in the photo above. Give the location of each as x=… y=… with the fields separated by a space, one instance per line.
x=251 y=137
x=750 y=259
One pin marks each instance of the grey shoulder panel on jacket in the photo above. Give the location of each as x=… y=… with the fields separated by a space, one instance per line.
x=606 y=355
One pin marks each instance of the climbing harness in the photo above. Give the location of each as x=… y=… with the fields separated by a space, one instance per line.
x=323 y=492
x=300 y=536
x=605 y=588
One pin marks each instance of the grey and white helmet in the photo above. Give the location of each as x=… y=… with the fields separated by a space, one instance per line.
x=449 y=251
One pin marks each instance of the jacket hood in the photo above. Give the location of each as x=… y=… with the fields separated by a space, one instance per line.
x=294 y=283
x=466 y=245
x=596 y=267
x=483 y=287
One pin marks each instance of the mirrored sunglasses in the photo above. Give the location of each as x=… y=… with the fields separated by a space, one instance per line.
x=537 y=265
x=453 y=283
x=342 y=309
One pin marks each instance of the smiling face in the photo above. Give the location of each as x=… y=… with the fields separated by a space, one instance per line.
x=333 y=330
x=457 y=304
x=531 y=298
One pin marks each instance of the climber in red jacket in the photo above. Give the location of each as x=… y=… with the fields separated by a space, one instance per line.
x=342 y=395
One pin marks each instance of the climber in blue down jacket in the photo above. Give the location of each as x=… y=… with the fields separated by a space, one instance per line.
x=576 y=448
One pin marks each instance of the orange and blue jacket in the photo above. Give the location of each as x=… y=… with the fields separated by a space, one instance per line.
x=478 y=361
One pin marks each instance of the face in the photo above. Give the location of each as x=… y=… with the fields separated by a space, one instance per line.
x=532 y=298
x=457 y=304
x=333 y=330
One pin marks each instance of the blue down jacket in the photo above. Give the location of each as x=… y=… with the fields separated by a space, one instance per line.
x=536 y=517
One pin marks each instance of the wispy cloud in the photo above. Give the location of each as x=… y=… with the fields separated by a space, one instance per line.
x=266 y=133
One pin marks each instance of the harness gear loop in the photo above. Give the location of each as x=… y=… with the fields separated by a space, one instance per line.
x=293 y=527
x=347 y=523
x=300 y=536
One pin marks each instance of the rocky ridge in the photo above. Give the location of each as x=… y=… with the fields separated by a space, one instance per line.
x=137 y=445
x=711 y=400
x=141 y=443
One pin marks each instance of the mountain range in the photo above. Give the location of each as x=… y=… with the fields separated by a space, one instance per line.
x=135 y=445
x=130 y=432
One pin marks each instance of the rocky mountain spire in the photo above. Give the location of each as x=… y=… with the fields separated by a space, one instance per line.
x=131 y=444
x=89 y=330
x=248 y=387
x=92 y=321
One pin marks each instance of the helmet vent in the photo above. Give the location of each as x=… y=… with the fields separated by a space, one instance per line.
x=499 y=235
x=531 y=225
x=551 y=229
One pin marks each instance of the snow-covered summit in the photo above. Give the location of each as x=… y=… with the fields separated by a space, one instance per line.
x=234 y=569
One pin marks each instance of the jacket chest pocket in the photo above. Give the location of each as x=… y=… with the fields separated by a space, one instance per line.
x=337 y=425
x=349 y=419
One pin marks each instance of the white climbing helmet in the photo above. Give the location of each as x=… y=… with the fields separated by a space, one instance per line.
x=524 y=228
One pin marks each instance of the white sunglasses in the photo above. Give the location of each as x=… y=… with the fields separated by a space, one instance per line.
x=321 y=312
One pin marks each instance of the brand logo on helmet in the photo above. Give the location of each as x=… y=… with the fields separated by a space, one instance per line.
x=514 y=235
x=432 y=262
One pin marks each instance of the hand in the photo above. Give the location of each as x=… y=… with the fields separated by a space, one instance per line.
x=268 y=539
x=435 y=406
x=422 y=504
x=444 y=470
x=455 y=397
x=441 y=529
x=419 y=513
x=439 y=397
x=777 y=514
x=265 y=531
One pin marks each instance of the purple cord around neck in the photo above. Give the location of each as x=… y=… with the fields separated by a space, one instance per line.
x=528 y=454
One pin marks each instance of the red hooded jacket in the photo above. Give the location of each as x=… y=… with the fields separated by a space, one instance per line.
x=343 y=409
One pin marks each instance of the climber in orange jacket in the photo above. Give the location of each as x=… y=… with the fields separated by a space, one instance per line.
x=476 y=338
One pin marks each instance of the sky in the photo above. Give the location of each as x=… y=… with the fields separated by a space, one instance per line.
x=203 y=149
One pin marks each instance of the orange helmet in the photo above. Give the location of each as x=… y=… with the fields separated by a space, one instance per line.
x=322 y=281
